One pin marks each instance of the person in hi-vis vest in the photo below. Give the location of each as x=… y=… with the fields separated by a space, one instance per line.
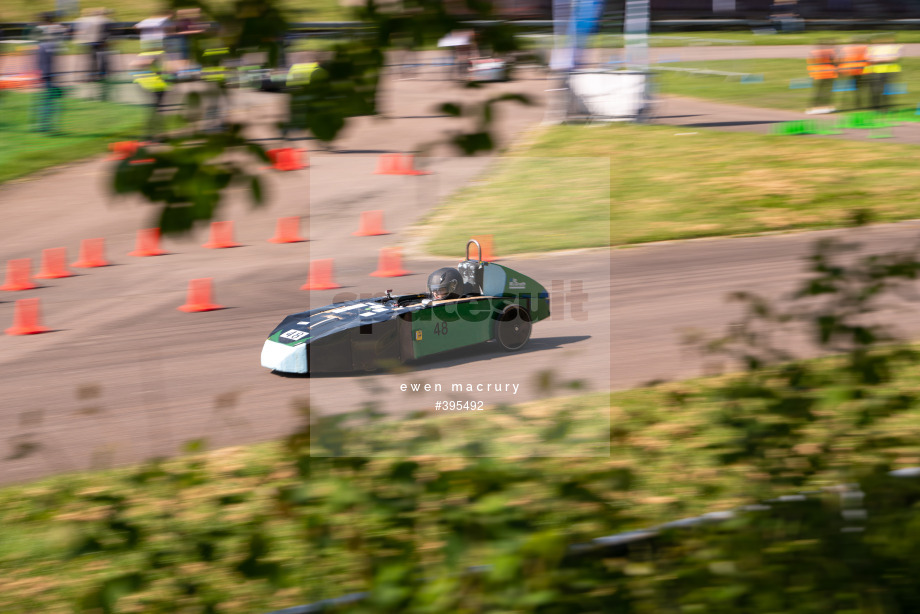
x=151 y=78
x=883 y=58
x=823 y=72
x=851 y=64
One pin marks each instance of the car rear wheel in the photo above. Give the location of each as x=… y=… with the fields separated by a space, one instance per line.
x=512 y=331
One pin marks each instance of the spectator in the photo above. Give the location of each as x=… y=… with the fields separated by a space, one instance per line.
x=50 y=36
x=92 y=31
x=462 y=44
x=154 y=31
x=188 y=25
x=823 y=72
x=851 y=64
x=883 y=57
x=152 y=78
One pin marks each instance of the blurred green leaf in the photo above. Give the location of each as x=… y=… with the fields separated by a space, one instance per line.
x=451 y=108
x=255 y=189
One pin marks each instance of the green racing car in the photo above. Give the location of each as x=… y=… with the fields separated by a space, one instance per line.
x=476 y=302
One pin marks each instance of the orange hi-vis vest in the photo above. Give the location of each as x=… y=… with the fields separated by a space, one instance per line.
x=821 y=64
x=852 y=61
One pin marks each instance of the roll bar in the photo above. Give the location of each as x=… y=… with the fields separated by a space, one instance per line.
x=468 y=243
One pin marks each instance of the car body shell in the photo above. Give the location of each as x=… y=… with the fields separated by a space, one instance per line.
x=368 y=334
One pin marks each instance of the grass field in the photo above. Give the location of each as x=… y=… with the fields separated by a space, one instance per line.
x=667 y=184
x=86 y=128
x=774 y=91
x=531 y=204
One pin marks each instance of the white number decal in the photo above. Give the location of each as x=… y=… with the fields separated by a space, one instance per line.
x=294 y=335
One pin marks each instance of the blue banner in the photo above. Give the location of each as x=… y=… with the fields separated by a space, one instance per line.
x=587 y=17
x=574 y=21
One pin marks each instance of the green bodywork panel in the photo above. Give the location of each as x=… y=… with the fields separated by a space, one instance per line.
x=452 y=325
x=524 y=291
x=457 y=324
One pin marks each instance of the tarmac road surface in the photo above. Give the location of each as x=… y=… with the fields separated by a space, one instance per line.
x=125 y=376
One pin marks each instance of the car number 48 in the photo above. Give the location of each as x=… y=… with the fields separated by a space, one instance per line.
x=440 y=328
x=294 y=335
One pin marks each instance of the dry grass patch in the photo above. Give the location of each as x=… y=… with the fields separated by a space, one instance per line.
x=663 y=187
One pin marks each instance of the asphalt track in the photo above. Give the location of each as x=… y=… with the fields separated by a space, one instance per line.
x=125 y=376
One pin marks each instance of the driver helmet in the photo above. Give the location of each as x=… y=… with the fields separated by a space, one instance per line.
x=445 y=283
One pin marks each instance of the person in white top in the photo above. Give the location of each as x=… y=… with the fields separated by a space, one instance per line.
x=883 y=59
x=92 y=31
x=154 y=31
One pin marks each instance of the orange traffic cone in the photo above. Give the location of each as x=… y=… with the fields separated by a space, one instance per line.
x=320 y=277
x=26 y=318
x=54 y=264
x=371 y=224
x=148 y=243
x=289 y=159
x=199 y=296
x=287 y=231
x=123 y=149
x=406 y=165
x=390 y=263
x=485 y=241
x=92 y=254
x=18 y=275
x=387 y=164
x=221 y=236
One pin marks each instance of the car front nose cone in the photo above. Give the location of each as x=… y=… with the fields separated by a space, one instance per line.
x=284 y=358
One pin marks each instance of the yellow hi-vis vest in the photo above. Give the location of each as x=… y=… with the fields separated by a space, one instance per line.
x=883 y=58
x=300 y=74
x=151 y=80
x=215 y=73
